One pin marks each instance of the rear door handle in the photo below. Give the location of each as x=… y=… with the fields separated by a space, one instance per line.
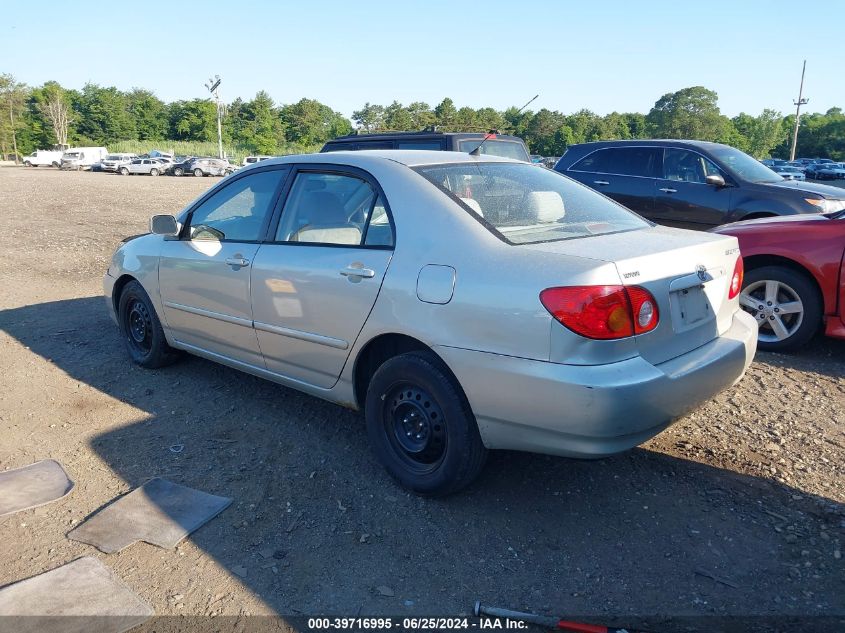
x=600 y=182
x=358 y=272
x=669 y=190
x=237 y=261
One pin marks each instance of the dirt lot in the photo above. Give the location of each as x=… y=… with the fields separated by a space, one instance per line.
x=737 y=510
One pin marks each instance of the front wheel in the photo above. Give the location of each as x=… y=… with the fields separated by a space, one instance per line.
x=786 y=305
x=124 y=171
x=421 y=427
x=198 y=172
x=154 y=172
x=141 y=329
x=178 y=171
x=27 y=164
x=56 y=165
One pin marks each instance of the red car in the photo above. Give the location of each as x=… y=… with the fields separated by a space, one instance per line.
x=794 y=276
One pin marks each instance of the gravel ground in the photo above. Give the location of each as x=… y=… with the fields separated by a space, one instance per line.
x=737 y=510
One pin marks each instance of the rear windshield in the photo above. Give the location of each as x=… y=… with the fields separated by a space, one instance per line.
x=525 y=204
x=496 y=147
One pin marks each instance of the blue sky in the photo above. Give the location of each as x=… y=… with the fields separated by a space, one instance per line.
x=604 y=56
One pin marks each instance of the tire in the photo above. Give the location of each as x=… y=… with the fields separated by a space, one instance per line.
x=198 y=173
x=27 y=164
x=178 y=171
x=56 y=165
x=154 y=172
x=141 y=329
x=124 y=171
x=421 y=427
x=767 y=292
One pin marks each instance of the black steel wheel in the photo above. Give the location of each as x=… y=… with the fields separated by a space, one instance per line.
x=142 y=332
x=421 y=426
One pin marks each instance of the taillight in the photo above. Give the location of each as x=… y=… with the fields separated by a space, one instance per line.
x=736 y=279
x=602 y=312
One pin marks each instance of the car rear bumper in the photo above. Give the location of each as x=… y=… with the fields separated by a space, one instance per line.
x=595 y=410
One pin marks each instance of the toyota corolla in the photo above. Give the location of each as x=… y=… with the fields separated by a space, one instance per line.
x=464 y=303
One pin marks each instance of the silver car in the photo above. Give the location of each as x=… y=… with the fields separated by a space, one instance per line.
x=148 y=166
x=464 y=303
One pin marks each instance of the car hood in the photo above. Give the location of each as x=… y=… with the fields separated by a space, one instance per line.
x=774 y=221
x=806 y=187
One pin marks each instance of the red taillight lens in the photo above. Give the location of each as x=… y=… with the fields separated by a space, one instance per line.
x=736 y=279
x=602 y=312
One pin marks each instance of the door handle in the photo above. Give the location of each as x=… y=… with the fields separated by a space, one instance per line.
x=669 y=190
x=600 y=182
x=237 y=261
x=358 y=272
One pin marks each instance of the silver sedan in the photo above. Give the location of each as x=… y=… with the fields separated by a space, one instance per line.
x=464 y=303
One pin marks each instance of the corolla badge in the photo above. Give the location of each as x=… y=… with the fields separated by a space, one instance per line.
x=701 y=271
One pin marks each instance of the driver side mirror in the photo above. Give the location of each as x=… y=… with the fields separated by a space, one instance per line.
x=164 y=225
x=715 y=179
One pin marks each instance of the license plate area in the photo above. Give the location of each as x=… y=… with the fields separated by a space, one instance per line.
x=690 y=307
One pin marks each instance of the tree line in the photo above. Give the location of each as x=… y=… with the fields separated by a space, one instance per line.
x=40 y=117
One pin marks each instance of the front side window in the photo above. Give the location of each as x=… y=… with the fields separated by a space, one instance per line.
x=688 y=166
x=330 y=208
x=237 y=211
x=522 y=204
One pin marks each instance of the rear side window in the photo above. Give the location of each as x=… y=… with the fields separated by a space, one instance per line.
x=622 y=161
x=331 y=208
x=435 y=145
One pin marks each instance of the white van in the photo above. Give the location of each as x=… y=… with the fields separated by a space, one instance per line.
x=83 y=157
x=43 y=157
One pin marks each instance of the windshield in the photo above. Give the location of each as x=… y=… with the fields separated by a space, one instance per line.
x=524 y=204
x=496 y=147
x=743 y=166
x=71 y=155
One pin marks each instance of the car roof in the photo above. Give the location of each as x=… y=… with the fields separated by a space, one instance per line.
x=653 y=141
x=407 y=157
x=387 y=136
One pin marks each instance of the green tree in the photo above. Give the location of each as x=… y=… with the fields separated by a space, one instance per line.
x=149 y=114
x=104 y=115
x=762 y=133
x=445 y=113
x=690 y=113
x=13 y=95
x=194 y=120
x=370 y=117
x=309 y=122
x=397 y=117
x=263 y=124
x=422 y=116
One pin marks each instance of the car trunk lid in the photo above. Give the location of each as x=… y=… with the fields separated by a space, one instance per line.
x=687 y=272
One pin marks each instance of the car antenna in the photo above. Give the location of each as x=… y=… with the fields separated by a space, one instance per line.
x=492 y=133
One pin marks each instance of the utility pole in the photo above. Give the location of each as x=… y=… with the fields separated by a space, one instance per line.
x=213 y=86
x=801 y=101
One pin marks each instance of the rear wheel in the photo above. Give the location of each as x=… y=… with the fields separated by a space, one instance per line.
x=198 y=172
x=124 y=171
x=421 y=427
x=154 y=172
x=786 y=305
x=178 y=171
x=26 y=163
x=141 y=329
x=56 y=165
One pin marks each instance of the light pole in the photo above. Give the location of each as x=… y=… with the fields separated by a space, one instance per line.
x=213 y=85
x=801 y=101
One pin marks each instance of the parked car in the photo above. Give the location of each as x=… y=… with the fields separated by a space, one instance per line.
x=113 y=162
x=148 y=166
x=486 y=303
x=797 y=164
x=495 y=145
x=43 y=158
x=824 y=171
x=181 y=167
x=788 y=172
x=794 y=276
x=79 y=158
x=251 y=160
x=211 y=167
x=690 y=184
